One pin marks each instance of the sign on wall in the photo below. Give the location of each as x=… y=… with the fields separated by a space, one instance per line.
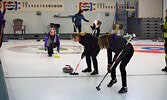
x=33 y=6
x=97 y=6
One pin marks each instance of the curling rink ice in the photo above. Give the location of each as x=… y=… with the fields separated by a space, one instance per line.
x=31 y=75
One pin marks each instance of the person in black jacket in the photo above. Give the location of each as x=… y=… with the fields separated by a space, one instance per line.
x=96 y=27
x=91 y=50
x=116 y=44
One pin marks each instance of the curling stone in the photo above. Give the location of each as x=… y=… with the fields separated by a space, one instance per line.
x=68 y=69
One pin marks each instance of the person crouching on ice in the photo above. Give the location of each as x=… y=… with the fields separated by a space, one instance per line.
x=91 y=49
x=116 y=44
x=52 y=41
x=96 y=27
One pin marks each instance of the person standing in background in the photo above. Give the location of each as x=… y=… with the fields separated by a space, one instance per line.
x=96 y=27
x=2 y=23
x=164 y=29
x=76 y=19
x=2 y=20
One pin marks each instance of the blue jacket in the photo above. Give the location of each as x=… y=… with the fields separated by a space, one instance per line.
x=48 y=36
x=78 y=18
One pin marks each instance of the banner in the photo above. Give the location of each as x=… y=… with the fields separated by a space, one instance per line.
x=33 y=6
x=101 y=6
x=97 y=6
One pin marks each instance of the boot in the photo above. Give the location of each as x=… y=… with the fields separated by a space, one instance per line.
x=86 y=70
x=94 y=72
x=111 y=83
x=123 y=90
x=164 y=69
x=50 y=55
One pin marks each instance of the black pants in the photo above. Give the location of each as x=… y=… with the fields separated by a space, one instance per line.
x=96 y=29
x=51 y=47
x=93 y=54
x=123 y=64
x=78 y=27
x=165 y=46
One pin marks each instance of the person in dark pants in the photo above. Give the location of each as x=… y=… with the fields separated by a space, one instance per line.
x=2 y=23
x=116 y=44
x=76 y=19
x=52 y=41
x=96 y=27
x=2 y=20
x=164 y=29
x=91 y=50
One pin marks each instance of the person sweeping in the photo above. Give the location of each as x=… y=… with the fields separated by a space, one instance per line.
x=116 y=44
x=91 y=50
x=96 y=27
x=52 y=41
x=164 y=29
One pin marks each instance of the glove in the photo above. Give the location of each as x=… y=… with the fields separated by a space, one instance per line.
x=58 y=51
x=117 y=60
x=108 y=68
x=45 y=49
x=82 y=56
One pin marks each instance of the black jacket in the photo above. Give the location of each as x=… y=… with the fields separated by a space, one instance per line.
x=117 y=47
x=89 y=42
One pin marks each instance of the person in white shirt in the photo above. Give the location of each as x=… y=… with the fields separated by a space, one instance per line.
x=96 y=27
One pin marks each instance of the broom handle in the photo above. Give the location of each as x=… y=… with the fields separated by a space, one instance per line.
x=76 y=28
x=93 y=32
x=78 y=65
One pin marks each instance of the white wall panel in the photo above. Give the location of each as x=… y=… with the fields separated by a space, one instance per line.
x=150 y=8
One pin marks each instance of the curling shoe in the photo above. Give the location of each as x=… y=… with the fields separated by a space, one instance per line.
x=123 y=90
x=86 y=70
x=164 y=69
x=111 y=83
x=94 y=72
x=50 y=55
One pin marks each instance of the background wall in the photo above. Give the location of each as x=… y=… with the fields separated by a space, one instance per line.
x=34 y=22
x=150 y=8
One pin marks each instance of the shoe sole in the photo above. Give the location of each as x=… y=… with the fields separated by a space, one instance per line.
x=93 y=74
x=86 y=72
x=122 y=92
